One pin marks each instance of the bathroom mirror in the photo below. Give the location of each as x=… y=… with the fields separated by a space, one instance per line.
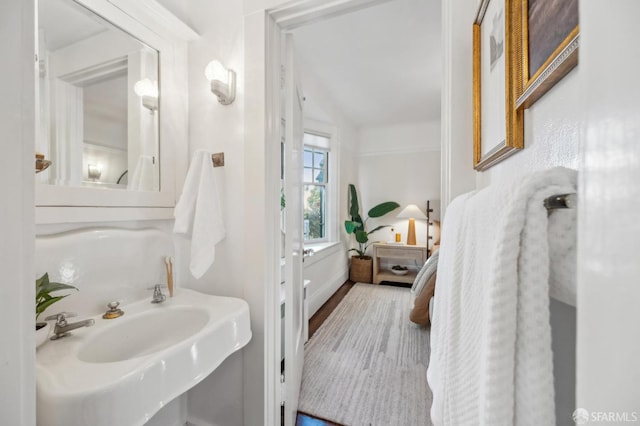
x=99 y=106
x=113 y=109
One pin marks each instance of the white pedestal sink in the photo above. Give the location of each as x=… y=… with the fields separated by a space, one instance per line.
x=122 y=371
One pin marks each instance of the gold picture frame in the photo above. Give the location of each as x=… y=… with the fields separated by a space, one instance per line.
x=547 y=45
x=497 y=124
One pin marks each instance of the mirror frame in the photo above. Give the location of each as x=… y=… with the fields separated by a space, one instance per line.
x=152 y=24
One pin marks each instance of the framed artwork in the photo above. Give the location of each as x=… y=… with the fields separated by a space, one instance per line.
x=546 y=45
x=497 y=123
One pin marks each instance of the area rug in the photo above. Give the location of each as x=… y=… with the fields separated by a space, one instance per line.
x=367 y=364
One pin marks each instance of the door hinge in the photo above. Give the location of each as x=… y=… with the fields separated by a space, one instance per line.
x=283 y=76
x=283 y=390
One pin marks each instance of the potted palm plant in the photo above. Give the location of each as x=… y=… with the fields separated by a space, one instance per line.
x=44 y=299
x=361 y=269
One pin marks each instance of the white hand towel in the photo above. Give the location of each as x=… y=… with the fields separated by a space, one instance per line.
x=198 y=213
x=142 y=176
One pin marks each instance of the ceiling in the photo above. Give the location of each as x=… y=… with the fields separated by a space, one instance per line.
x=380 y=66
x=65 y=22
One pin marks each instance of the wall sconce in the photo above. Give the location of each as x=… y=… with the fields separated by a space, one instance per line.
x=411 y=212
x=223 y=82
x=148 y=91
x=94 y=171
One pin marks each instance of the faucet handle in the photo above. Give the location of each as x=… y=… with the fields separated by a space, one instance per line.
x=158 y=297
x=61 y=317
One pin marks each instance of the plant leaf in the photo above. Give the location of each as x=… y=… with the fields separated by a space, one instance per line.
x=383 y=208
x=350 y=226
x=40 y=307
x=354 y=208
x=43 y=280
x=378 y=228
x=362 y=237
x=50 y=287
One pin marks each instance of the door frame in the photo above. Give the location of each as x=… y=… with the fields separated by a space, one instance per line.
x=263 y=31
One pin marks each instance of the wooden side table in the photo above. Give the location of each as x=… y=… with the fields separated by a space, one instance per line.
x=402 y=253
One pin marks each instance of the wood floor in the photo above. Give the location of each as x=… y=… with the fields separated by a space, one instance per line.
x=323 y=313
x=315 y=322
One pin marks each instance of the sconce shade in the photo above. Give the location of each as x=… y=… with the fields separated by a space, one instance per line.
x=223 y=82
x=94 y=171
x=411 y=212
x=146 y=87
x=148 y=91
x=216 y=71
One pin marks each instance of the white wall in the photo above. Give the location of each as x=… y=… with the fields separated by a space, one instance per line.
x=398 y=163
x=17 y=121
x=552 y=129
x=218 y=128
x=457 y=131
x=608 y=268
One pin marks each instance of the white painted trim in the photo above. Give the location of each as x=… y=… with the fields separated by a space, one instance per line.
x=323 y=294
x=164 y=22
x=445 y=109
x=325 y=250
x=411 y=150
x=304 y=12
x=272 y=205
x=194 y=421
x=18 y=123
x=173 y=103
x=320 y=127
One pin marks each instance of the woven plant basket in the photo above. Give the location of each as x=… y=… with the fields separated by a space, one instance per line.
x=361 y=269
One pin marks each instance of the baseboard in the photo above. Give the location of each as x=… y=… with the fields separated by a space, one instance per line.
x=326 y=291
x=192 y=421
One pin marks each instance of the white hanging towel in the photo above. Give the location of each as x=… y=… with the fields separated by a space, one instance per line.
x=491 y=362
x=198 y=213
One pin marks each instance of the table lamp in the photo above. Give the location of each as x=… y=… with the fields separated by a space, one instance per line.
x=411 y=212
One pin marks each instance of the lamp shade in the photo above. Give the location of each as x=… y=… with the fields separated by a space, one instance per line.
x=411 y=212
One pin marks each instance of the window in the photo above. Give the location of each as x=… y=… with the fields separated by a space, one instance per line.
x=315 y=180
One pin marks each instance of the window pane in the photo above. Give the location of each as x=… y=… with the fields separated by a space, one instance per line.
x=308 y=158
x=308 y=175
x=318 y=159
x=318 y=175
x=314 y=212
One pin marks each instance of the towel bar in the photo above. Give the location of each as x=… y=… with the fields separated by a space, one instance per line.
x=561 y=201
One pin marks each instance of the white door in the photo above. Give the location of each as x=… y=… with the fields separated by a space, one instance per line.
x=608 y=344
x=293 y=312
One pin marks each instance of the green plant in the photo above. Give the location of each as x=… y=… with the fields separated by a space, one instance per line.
x=44 y=288
x=357 y=226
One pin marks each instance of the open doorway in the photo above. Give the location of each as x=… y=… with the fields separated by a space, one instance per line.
x=371 y=82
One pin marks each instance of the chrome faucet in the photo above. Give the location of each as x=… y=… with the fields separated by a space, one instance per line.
x=63 y=327
x=158 y=297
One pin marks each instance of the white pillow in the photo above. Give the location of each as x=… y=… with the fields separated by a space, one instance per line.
x=429 y=268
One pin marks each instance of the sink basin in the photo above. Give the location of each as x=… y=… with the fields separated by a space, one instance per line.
x=122 y=371
x=144 y=334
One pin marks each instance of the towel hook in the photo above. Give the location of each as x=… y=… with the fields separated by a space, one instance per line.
x=218 y=159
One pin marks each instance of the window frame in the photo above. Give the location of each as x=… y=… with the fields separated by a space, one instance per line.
x=332 y=165
x=324 y=185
